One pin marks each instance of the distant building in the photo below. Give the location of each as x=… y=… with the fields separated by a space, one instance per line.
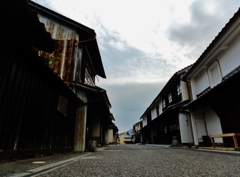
x=164 y=118
x=125 y=138
x=136 y=132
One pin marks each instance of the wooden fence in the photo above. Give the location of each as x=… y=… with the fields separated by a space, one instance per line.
x=33 y=119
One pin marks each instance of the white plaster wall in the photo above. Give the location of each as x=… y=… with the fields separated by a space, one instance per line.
x=184 y=89
x=185 y=128
x=194 y=128
x=138 y=126
x=160 y=107
x=201 y=82
x=193 y=89
x=154 y=113
x=229 y=59
x=213 y=123
x=144 y=121
x=110 y=136
x=200 y=125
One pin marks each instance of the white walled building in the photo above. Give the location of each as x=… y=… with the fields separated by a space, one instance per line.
x=164 y=118
x=214 y=84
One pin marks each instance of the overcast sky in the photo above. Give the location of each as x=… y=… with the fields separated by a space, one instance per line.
x=143 y=43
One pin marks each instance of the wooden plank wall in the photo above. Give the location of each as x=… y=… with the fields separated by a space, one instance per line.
x=29 y=93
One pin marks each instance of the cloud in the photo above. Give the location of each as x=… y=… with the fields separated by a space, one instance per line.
x=121 y=60
x=207 y=18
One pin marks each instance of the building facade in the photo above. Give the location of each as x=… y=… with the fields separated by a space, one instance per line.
x=214 y=86
x=48 y=92
x=164 y=118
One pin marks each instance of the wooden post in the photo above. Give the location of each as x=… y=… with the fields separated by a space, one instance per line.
x=80 y=129
x=235 y=141
x=213 y=143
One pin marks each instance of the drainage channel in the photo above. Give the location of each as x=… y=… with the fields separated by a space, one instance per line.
x=49 y=167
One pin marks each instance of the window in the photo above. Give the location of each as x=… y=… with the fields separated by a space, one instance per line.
x=179 y=91
x=62 y=105
x=214 y=74
x=170 y=97
x=163 y=103
x=88 y=79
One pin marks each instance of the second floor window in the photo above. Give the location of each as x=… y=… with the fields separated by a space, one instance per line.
x=179 y=91
x=170 y=97
x=163 y=103
x=88 y=79
x=214 y=74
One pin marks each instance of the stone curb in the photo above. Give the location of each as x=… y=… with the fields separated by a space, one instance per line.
x=45 y=168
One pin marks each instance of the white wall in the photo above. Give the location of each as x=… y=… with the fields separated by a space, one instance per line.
x=185 y=128
x=137 y=126
x=201 y=82
x=213 y=123
x=184 y=89
x=144 y=121
x=229 y=59
x=200 y=125
x=154 y=113
x=110 y=136
x=160 y=107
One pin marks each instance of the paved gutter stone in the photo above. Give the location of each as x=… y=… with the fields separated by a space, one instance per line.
x=52 y=165
x=25 y=167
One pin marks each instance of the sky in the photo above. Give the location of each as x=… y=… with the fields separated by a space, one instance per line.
x=143 y=43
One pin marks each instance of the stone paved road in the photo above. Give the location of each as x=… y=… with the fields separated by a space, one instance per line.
x=142 y=160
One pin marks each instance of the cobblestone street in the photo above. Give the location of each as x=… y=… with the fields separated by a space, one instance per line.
x=133 y=160
x=143 y=160
x=138 y=160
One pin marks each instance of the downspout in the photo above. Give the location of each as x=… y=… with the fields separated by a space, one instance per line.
x=189 y=114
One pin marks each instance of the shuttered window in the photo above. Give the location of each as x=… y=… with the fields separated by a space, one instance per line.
x=214 y=74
